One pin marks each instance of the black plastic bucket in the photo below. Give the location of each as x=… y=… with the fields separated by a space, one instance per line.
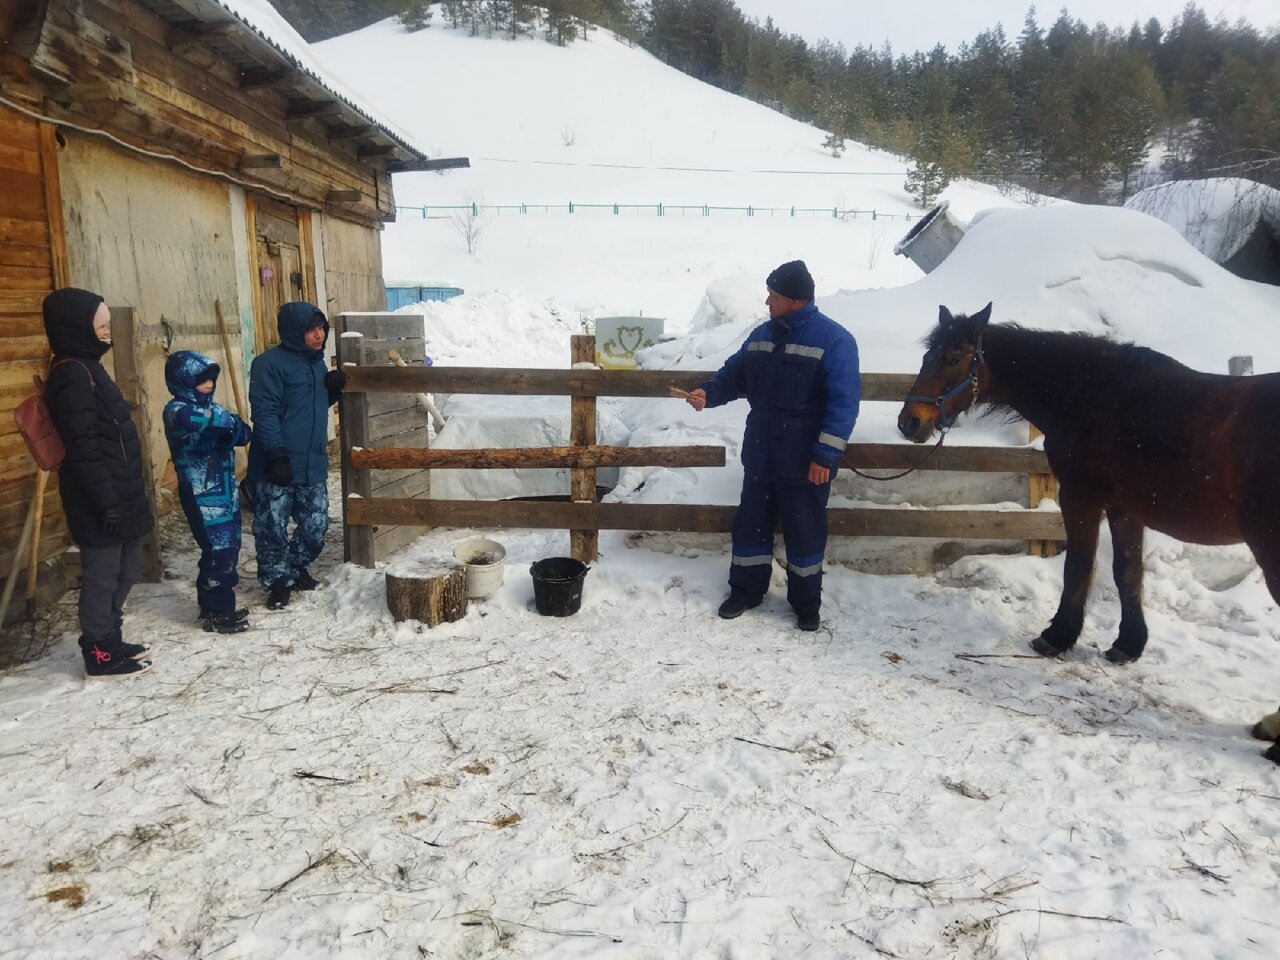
x=557 y=585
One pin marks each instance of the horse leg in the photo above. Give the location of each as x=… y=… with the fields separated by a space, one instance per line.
x=1266 y=550
x=1082 y=521
x=1126 y=539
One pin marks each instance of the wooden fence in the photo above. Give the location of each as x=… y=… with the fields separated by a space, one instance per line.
x=584 y=517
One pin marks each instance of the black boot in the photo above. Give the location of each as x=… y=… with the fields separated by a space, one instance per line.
x=228 y=622
x=278 y=595
x=240 y=613
x=736 y=604
x=807 y=619
x=303 y=580
x=122 y=650
x=102 y=662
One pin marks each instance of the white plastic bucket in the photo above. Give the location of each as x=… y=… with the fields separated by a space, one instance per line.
x=484 y=561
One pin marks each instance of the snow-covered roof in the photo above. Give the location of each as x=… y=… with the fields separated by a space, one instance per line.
x=1217 y=215
x=260 y=17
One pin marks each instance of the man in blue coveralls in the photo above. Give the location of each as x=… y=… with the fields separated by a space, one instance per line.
x=799 y=373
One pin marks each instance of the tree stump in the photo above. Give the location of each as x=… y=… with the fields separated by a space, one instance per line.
x=433 y=596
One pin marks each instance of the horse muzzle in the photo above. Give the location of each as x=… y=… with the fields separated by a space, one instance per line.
x=912 y=427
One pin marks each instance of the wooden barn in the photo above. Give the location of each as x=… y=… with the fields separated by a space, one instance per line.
x=173 y=155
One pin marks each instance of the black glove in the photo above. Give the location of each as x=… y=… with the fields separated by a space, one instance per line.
x=334 y=382
x=279 y=469
x=113 y=521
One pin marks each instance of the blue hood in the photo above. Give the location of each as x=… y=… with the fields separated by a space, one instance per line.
x=186 y=368
x=294 y=320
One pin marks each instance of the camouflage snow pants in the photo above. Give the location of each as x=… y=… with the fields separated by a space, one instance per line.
x=279 y=554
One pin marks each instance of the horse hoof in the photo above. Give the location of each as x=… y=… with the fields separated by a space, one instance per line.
x=1043 y=647
x=1119 y=657
x=1274 y=753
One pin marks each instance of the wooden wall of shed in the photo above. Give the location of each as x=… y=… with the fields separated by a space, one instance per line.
x=32 y=263
x=352 y=256
x=129 y=77
x=159 y=239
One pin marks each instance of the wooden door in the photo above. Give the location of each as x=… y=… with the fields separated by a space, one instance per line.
x=280 y=272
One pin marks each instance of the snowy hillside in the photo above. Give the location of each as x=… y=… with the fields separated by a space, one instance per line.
x=642 y=133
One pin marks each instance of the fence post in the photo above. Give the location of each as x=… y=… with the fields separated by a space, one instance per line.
x=583 y=544
x=659 y=209
x=353 y=426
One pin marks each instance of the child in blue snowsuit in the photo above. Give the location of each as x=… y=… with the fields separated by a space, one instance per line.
x=202 y=439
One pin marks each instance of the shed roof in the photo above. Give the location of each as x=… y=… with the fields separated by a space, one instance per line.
x=252 y=34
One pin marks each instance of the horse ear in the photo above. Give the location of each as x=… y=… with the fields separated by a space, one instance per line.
x=944 y=315
x=982 y=316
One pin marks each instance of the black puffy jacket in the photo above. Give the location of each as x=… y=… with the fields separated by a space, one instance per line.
x=103 y=469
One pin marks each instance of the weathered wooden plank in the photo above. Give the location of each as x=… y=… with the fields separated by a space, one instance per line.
x=17 y=131
x=401 y=485
x=496 y=458
x=17 y=160
x=386 y=326
x=275 y=229
x=59 y=261
x=29 y=255
x=15 y=231
x=842 y=521
x=398 y=430
x=390 y=539
x=584 y=544
x=377 y=351
x=353 y=426
x=523 y=381
x=53 y=541
x=23 y=196
x=903 y=456
x=23 y=348
x=381 y=404
x=35 y=277
x=25 y=325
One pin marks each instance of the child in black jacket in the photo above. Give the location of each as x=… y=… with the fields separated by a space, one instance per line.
x=100 y=480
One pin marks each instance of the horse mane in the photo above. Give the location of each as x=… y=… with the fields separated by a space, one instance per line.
x=1082 y=372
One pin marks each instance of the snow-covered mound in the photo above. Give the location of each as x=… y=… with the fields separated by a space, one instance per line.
x=1217 y=215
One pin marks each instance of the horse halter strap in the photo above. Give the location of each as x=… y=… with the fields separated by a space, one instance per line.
x=970 y=382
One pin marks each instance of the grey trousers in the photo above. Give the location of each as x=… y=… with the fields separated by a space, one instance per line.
x=107 y=576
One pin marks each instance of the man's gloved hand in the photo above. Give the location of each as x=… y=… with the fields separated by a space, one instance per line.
x=113 y=520
x=279 y=469
x=334 y=382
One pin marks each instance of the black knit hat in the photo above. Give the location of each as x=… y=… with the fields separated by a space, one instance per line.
x=792 y=280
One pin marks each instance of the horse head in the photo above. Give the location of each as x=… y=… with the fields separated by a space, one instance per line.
x=947 y=383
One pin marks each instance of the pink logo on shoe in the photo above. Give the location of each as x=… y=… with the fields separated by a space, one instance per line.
x=101 y=655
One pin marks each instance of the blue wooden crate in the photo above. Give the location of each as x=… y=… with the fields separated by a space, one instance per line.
x=402 y=296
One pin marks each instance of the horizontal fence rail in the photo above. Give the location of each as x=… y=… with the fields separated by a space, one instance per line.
x=504 y=459
x=537 y=381
x=647 y=209
x=960 y=524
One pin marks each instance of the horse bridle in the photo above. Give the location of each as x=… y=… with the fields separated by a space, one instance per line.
x=970 y=382
x=944 y=422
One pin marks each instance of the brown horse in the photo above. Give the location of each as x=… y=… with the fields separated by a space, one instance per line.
x=1128 y=432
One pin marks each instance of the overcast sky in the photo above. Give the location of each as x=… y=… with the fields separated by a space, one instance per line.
x=920 y=24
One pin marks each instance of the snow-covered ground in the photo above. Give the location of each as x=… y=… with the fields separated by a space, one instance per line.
x=644 y=780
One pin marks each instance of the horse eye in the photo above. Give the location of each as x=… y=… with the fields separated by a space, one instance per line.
x=953 y=360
